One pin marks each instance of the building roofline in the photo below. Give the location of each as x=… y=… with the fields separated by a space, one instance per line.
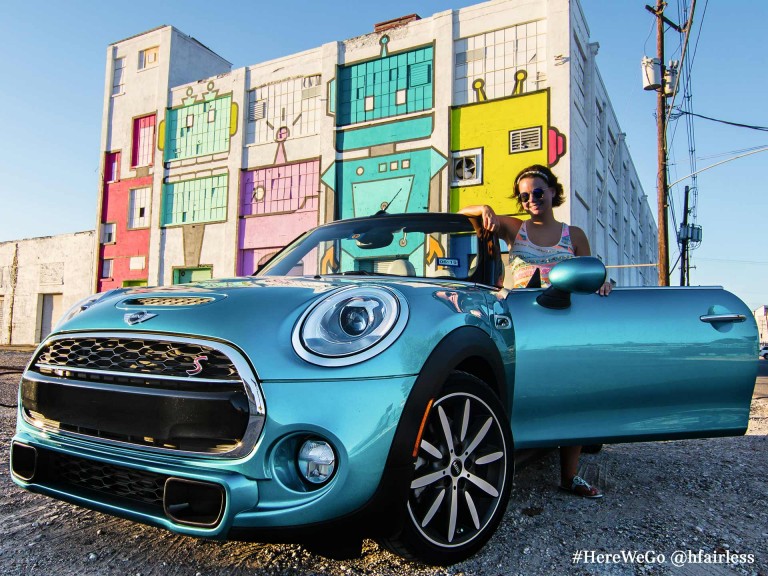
x=191 y=38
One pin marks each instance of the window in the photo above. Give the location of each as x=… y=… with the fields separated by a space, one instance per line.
x=599 y=125
x=106 y=269
x=143 y=150
x=138 y=208
x=112 y=167
x=467 y=167
x=257 y=109
x=108 y=233
x=148 y=57
x=525 y=140
x=118 y=76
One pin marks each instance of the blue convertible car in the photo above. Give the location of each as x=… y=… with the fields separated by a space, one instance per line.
x=373 y=379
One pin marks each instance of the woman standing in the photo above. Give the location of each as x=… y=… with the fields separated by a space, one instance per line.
x=535 y=246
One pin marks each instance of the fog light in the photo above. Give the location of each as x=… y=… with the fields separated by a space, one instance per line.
x=316 y=461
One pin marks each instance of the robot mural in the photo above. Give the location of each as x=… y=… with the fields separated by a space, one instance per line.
x=385 y=174
x=491 y=140
x=281 y=200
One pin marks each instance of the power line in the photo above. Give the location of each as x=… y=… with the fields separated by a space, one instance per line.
x=737 y=124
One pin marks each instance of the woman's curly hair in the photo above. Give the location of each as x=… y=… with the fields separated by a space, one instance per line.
x=539 y=171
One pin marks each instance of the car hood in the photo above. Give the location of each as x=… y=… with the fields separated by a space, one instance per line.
x=258 y=315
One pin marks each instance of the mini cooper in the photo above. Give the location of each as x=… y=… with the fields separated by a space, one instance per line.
x=373 y=379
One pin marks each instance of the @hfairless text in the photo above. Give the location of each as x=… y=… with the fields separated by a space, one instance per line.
x=677 y=558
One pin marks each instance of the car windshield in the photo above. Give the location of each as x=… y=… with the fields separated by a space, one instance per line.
x=423 y=246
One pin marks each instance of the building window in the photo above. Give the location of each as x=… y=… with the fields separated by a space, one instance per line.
x=112 y=167
x=600 y=125
x=118 y=76
x=106 y=269
x=138 y=208
x=525 y=140
x=143 y=150
x=148 y=57
x=108 y=233
x=467 y=167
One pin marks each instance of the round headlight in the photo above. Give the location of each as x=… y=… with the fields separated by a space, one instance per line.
x=350 y=325
x=316 y=461
x=356 y=317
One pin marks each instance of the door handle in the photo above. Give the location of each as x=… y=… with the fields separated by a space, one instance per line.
x=715 y=318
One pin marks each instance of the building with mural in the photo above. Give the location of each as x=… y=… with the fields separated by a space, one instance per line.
x=208 y=171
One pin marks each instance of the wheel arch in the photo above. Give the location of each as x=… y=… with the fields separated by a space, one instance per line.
x=467 y=349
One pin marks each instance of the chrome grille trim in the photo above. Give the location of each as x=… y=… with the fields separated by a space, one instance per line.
x=248 y=379
x=134 y=375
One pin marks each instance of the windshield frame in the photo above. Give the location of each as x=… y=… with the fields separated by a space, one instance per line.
x=425 y=222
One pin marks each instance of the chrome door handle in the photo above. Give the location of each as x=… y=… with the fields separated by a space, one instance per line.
x=713 y=318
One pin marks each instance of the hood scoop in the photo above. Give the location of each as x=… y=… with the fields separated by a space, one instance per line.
x=146 y=301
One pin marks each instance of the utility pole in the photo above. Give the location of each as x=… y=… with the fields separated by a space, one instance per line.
x=684 y=276
x=661 y=136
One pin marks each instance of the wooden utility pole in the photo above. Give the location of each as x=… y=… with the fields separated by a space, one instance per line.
x=661 y=133
x=661 y=136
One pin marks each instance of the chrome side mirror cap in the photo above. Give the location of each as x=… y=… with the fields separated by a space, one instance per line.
x=582 y=275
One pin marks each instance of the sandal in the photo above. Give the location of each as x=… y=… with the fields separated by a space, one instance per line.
x=582 y=488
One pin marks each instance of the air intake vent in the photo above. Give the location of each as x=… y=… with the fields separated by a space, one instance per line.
x=169 y=301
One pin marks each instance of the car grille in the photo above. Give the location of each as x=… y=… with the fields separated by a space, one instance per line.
x=118 y=483
x=156 y=392
x=135 y=356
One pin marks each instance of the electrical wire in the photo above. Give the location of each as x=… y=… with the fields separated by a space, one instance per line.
x=737 y=124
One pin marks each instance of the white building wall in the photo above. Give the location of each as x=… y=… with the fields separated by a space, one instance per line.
x=603 y=194
x=761 y=317
x=608 y=200
x=35 y=267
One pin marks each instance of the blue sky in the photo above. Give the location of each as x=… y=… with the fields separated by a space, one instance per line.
x=53 y=70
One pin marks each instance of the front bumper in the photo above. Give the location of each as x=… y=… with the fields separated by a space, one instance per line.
x=262 y=489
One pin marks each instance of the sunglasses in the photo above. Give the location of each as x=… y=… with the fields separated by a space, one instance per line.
x=537 y=193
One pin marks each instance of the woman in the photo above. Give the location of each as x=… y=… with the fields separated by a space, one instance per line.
x=536 y=245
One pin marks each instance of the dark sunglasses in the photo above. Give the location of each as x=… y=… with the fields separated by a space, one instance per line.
x=537 y=193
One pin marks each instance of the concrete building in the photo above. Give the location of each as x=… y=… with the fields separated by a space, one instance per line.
x=423 y=114
x=761 y=317
x=40 y=279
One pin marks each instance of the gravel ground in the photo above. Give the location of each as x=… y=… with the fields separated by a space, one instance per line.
x=695 y=496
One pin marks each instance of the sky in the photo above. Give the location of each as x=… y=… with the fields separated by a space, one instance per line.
x=53 y=65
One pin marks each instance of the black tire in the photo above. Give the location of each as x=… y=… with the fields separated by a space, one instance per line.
x=462 y=475
x=591 y=448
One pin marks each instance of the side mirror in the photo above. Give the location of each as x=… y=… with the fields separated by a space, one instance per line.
x=581 y=275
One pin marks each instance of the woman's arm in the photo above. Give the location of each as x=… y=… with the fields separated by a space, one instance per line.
x=506 y=227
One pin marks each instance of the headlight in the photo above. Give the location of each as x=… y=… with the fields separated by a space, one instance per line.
x=349 y=326
x=81 y=306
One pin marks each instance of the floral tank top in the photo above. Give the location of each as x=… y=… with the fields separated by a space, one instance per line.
x=525 y=257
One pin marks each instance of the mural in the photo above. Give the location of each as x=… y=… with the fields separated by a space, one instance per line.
x=202 y=125
x=280 y=201
x=492 y=140
x=376 y=92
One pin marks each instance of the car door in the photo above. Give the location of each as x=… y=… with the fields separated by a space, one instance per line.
x=640 y=364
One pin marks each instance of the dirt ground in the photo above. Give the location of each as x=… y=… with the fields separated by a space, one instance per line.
x=702 y=504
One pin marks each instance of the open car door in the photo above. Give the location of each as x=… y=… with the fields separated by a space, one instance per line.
x=641 y=364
